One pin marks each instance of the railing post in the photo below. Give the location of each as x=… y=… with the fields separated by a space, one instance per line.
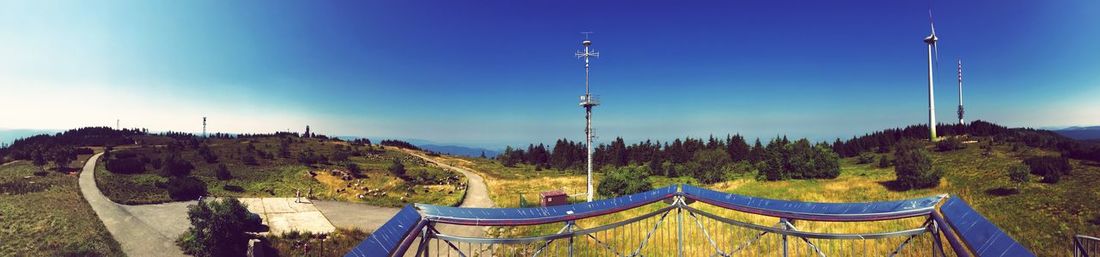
x=680 y=225
x=425 y=237
x=937 y=245
x=783 y=221
x=569 y=229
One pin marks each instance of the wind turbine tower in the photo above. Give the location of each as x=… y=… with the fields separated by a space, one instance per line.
x=588 y=101
x=961 y=92
x=203 y=127
x=931 y=41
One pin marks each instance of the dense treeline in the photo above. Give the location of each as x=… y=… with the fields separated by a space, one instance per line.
x=398 y=143
x=711 y=159
x=881 y=141
x=62 y=148
x=708 y=160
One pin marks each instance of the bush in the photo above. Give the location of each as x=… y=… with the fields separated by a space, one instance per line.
x=223 y=172
x=248 y=159
x=708 y=166
x=398 y=168
x=913 y=166
x=1019 y=173
x=865 y=158
x=799 y=160
x=353 y=169
x=624 y=181
x=83 y=150
x=949 y=144
x=218 y=228
x=233 y=188
x=1050 y=167
x=883 y=162
x=124 y=155
x=176 y=167
x=185 y=188
x=126 y=166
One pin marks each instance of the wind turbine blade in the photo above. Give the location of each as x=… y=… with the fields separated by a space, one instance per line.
x=931 y=22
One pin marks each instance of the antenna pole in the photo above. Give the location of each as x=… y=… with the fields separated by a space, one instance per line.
x=587 y=101
x=961 y=92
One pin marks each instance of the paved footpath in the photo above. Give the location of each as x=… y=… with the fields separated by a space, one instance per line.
x=151 y=230
x=137 y=237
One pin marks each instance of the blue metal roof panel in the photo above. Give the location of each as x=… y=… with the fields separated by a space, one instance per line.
x=541 y=215
x=979 y=234
x=866 y=211
x=392 y=236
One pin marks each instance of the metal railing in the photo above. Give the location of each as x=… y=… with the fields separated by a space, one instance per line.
x=1085 y=246
x=679 y=223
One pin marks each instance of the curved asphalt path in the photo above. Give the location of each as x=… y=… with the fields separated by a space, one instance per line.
x=137 y=237
x=151 y=230
x=369 y=218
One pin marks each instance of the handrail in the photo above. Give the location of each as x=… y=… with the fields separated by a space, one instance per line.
x=966 y=231
x=1079 y=250
x=541 y=215
x=868 y=211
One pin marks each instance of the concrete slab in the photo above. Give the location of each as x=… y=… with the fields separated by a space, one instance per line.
x=312 y=221
x=284 y=215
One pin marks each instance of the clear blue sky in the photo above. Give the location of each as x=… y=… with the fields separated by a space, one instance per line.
x=489 y=73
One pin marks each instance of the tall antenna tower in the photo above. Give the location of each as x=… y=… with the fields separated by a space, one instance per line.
x=588 y=101
x=961 y=92
x=931 y=41
x=203 y=127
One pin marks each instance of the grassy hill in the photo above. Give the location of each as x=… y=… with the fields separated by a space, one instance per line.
x=42 y=213
x=1041 y=216
x=280 y=166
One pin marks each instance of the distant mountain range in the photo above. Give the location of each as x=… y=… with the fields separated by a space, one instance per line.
x=452 y=149
x=7 y=136
x=459 y=150
x=1080 y=133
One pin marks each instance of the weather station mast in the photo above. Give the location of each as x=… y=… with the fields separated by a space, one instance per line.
x=588 y=101
x=961 y=92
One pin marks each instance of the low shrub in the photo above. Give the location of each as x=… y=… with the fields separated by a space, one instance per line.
x=223 y=172
x=1018 y=173
x=865 y=158
x=949 y=144
x=21 y=187
x=249 y=160
x=126 y=166
x=233 y=188
x=913 y=166
x=174 y=166
x=185 y=188
x=1049 y=167
x=218 y=228
x=624 y=181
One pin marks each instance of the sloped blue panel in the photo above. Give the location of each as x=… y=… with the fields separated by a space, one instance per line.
x=541 y=215
x=868 y=211
x=982 y=237
x=392 y=237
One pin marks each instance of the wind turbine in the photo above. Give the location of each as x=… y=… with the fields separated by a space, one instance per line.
x=931 y=41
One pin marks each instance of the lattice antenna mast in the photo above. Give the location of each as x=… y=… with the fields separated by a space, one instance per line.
x=588 y=101
x=961 y=92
